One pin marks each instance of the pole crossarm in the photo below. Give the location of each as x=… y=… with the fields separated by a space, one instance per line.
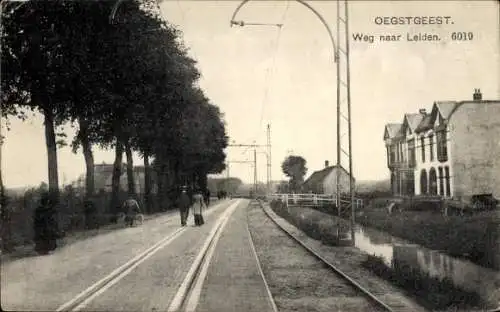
x=240 y=161
x=246 y=145
x=307 y=5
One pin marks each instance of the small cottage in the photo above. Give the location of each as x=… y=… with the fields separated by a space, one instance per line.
x=325 y=181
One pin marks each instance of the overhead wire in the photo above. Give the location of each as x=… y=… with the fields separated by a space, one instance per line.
x=267 y=77
x=273 y=65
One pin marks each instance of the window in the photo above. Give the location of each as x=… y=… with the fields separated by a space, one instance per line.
x=447 y=177
x=442 y=148
x=392 y=154
x=431 y=147
x=401 y=151
x=411 y=153
x=422 y=145
x=441 y=182
x=388 y=153
x=433 y=182
x=423 y=182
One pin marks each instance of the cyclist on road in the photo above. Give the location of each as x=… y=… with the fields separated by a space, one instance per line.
x=132 y=209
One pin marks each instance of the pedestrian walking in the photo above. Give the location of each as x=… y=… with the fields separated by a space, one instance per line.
x=45 y=225
x=183 y=203
x=207 y=197
x=198 y=206
x=132 y=210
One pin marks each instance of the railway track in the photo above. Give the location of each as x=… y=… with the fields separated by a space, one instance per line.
x=188 y=294
x=335 y=275
x=330 y=280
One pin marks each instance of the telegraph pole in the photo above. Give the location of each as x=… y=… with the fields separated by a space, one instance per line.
x=255 y=171
x=254 y=146
x=344 y=123
x=269 y=167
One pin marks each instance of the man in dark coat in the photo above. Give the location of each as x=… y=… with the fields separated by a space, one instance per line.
x=183 y=204
x=45 y=225
x=207 y=197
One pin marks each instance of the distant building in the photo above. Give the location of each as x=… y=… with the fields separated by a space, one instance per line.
x=453 y=151
x=103 y=174
x=325 y=181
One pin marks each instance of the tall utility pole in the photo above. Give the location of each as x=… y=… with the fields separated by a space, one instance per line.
x=255 y=171
x=341 y=60
x=269 y=167
x=344 y=107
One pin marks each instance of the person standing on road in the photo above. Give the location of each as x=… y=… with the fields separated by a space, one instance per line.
x=198 y=206
x=183 y=204
x=45 y=225
x=207 y=197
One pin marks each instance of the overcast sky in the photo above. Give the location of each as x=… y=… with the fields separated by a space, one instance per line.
x=261 y=75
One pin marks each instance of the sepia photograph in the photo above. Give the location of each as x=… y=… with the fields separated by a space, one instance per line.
x=250 y=155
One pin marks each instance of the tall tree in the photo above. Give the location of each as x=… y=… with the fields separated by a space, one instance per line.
x=31 y=69
x=295 y=168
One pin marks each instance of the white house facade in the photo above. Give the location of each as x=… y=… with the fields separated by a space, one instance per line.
x=452 y=151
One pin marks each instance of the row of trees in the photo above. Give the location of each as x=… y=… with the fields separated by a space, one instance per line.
x=126 y=84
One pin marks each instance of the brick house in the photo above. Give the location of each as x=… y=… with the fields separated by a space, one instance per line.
x=452 y=151
x=324 y=181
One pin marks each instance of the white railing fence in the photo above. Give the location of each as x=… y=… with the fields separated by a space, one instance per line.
x=312 y=199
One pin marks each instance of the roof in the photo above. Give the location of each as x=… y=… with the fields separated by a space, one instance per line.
x=414 y=120
x=393 y=129
x=425 y=124
x=420 y=122
x=446 y=108
x=320 y=175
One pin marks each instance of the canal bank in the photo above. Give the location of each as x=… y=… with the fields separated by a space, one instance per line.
x=436 y=280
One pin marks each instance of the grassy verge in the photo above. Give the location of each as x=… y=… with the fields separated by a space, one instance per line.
x=18 y=230
x=314 y=224
x=475 y=238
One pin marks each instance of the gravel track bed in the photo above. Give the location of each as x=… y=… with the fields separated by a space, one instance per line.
x=349 y=260
x=297 y=280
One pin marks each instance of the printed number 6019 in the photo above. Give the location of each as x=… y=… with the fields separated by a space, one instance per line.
x=462 y=36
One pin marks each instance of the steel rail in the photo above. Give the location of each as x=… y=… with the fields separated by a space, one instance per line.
x=183 y=299
x=81 y=300
x=259 y=267
x=366 y=292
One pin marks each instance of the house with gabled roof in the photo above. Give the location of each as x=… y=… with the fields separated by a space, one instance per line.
x=453 y=151
x=324 y=181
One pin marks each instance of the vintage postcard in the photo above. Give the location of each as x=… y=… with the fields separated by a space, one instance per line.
x=250 y=155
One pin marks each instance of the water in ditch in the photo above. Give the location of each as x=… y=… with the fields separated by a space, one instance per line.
x=396 y=253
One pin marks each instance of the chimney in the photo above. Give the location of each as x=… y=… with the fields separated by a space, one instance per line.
x=477 y=96
x=326 y=163
x=422 y=111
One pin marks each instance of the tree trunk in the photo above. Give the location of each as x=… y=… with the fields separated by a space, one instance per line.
x=89 y=159
x=159 y=182
x=50 y=141
x=147 y=183
x=117 y=172
x=130 y=170
x=202 y=180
